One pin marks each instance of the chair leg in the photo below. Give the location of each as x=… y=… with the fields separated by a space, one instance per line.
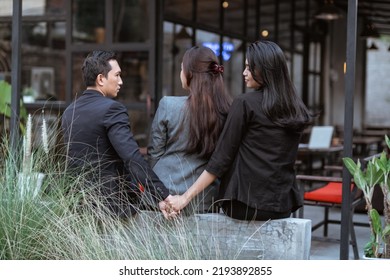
x=326 y=221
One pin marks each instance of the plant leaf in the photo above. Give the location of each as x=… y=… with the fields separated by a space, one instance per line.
x=387 y=140
x=386 y=231
x=356 y=172
x=374 y=175
x=376 y=221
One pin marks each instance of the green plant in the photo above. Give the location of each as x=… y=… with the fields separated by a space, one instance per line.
x=57 y=226
x=376 y=173
x=66 y=220
x=5 y=104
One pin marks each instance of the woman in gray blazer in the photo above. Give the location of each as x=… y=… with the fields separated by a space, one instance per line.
x=185 y=129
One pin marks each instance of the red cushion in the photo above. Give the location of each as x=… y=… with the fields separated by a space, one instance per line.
x=332 y=193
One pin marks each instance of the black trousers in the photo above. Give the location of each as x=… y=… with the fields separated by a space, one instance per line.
x=240 y=211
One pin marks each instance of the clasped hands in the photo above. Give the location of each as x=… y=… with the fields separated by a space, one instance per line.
x=171 y=206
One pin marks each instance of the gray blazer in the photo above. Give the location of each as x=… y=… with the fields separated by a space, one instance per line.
x=175 y=169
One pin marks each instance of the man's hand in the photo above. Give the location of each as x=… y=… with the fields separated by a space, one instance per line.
x=167 y=209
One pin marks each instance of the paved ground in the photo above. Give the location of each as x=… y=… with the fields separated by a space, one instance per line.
x=327 y=250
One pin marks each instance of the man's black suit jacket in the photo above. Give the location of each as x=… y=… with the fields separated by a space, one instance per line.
x=98 y=137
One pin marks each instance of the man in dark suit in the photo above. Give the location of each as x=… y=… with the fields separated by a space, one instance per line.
x=100 y=143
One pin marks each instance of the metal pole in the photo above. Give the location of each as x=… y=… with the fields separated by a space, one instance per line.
x=16 y=72
x=348 y=126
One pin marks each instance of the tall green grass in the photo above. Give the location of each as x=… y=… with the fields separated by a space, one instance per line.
x=66 y=221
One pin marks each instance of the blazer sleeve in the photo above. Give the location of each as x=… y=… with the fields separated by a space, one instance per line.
x=122 y=139
x=230 y=139
x=158 y=133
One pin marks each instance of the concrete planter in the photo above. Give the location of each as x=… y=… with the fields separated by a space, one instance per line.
x=283 y=239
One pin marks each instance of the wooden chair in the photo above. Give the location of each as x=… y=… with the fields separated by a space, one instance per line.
x=326 y=192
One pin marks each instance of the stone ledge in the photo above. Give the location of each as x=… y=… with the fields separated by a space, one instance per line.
x=225 y=238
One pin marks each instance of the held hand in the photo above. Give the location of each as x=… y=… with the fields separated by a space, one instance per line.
x=163 y=208
x=166 y=209
x=177 y=202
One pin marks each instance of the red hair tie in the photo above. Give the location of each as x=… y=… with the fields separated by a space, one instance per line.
x=217 y=68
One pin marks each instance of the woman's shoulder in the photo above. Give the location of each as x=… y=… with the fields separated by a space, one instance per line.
x=170 y=106
x=169 y=103
x=173 y=99
x=248 y=97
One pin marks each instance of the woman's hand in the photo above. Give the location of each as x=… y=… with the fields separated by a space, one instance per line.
x=177 y=202
x=167 y=209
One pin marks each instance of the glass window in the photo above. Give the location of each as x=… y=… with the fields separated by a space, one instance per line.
x=5 y=51
x=43 y=45
x=33 y=7
x=135 y=76
x=43 y=60
x=170 y=52
x=88 y=21
x=77 y=84
x=177 y=39
x=233 y=61
x=44 y=34
x=55 y=7
x=140 y=124
x=6 y=8
x=131 y=21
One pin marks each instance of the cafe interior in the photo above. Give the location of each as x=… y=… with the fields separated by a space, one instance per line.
x=43 y=43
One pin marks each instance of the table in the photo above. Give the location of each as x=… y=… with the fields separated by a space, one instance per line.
x=373 y=132
x=362 y=144
x=326 y=155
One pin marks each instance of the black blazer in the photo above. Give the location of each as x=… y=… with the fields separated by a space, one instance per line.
x=255 y=158
x=98 y=134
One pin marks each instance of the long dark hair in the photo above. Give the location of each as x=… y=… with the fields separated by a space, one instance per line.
x=281 y=103
x=208 y=103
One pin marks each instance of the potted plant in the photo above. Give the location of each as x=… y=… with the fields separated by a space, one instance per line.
x=376 y=173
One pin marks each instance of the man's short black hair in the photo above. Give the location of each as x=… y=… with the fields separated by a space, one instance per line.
x=97 y=62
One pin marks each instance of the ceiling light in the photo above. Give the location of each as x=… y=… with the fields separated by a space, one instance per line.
x=329 y=11
x=264 y=33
